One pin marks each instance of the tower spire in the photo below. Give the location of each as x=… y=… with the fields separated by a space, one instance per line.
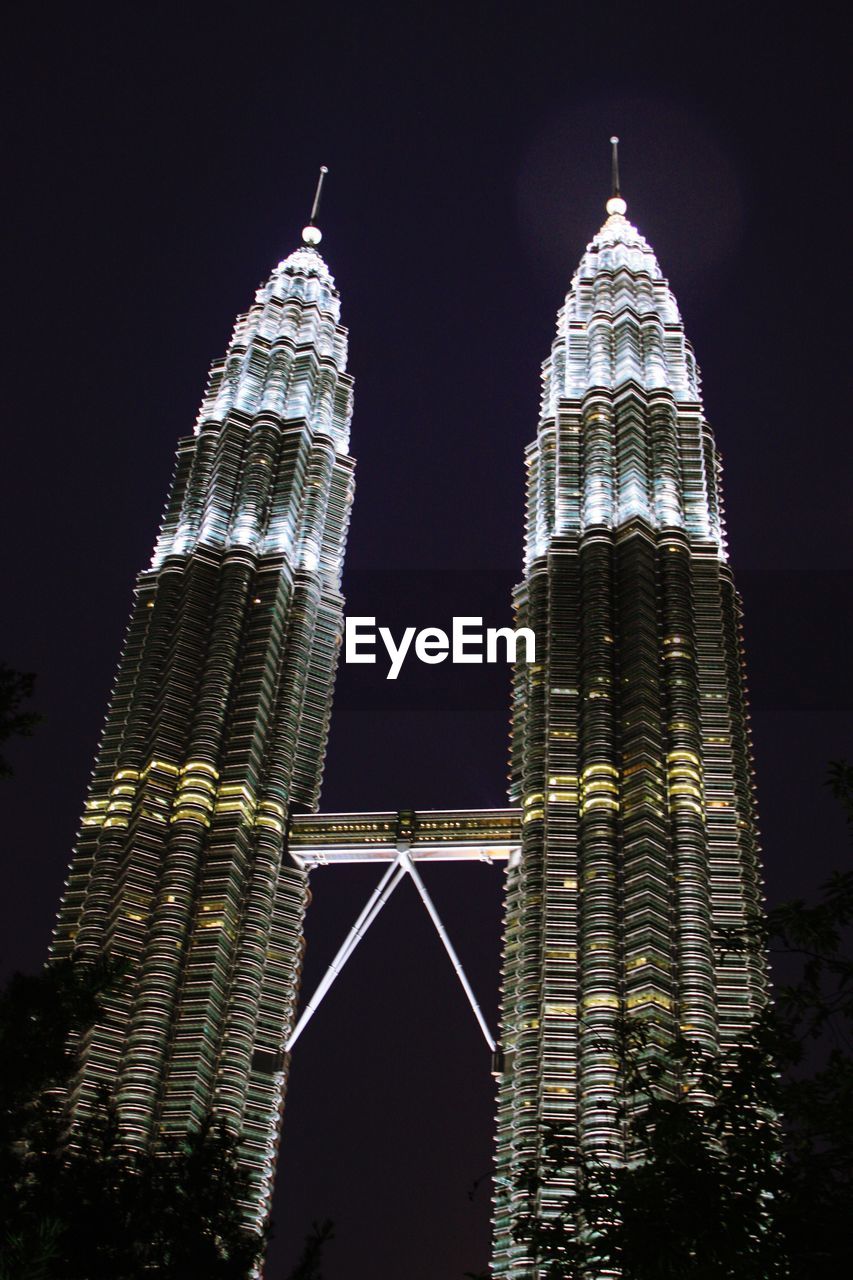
x=311 y=234
x=615 y=204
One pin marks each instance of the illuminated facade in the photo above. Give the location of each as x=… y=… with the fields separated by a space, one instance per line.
x=216 y=732
x=630 y=742
x=631 y=839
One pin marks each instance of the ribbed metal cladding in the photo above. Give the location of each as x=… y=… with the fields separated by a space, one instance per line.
x=216 y=732
x=630 y=738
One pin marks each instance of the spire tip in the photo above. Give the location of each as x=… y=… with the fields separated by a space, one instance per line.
x=311 y=234
x=615 y=205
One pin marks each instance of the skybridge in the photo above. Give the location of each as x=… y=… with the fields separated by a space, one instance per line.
x=428 y=835
x=400 y=840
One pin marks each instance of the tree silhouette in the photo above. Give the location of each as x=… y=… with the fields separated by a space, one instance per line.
x=740 y=1167
x=16 y=687
x=90 y=1207
x=309 y=1265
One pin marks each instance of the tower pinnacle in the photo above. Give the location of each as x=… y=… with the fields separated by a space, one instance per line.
x=615 y=204
x=311 y=234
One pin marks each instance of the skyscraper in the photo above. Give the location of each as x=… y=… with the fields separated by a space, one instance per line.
x=630 y=739
x=631 y=841
x=216 y=732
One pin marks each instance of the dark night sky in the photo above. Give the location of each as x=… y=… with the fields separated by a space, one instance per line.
x=160 y=161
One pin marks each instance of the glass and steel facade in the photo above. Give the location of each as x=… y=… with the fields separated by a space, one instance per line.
x=216 y=733
x=632 y=839
x=630 y=739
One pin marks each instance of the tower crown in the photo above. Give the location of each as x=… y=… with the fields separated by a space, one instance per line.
x=303 y=273
x=619 y=283
x=622 y=432
x=286 y=362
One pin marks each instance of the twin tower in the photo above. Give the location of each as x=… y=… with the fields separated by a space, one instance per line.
x=630 y=840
